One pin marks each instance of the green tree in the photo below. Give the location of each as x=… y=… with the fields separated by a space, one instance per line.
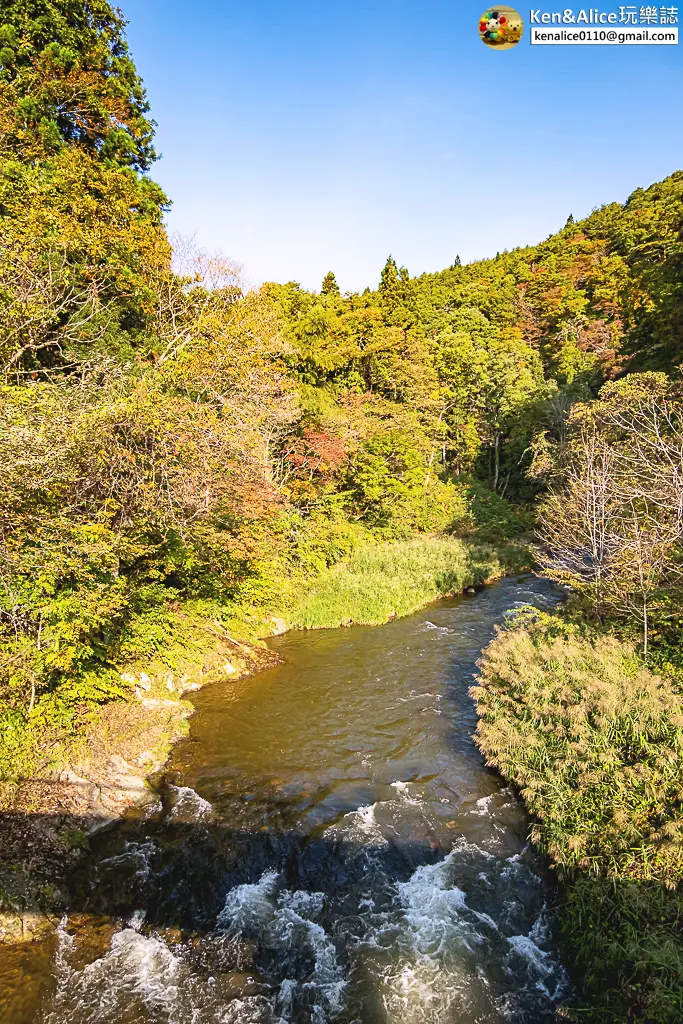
x=83 y=252
x=66 y=77
x=330 y=286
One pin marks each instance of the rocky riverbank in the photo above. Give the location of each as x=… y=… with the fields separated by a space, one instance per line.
x=96 y=778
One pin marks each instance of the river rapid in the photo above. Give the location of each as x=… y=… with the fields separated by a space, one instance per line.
x=328 y=847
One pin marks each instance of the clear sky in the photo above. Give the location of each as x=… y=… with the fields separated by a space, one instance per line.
x=306 y=136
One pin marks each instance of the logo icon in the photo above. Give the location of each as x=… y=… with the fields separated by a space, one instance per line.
x=501 y=28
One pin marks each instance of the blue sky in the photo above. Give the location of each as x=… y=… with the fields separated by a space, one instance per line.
x=307 y=136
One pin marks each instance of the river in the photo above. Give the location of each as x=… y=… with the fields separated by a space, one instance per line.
x=329 y=847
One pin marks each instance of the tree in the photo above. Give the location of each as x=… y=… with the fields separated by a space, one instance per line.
x=329 y=285
x=82 y=246
x=66 y=78
x=613 y=522
x=577 y=520
x=393 y=284
x=389 y=278
x=512 y=383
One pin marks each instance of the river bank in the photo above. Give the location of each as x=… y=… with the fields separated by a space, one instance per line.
x=592 y=738
x=87 y=781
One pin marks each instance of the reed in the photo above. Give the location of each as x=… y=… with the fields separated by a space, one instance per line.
x=385 y=581
x=594 y=741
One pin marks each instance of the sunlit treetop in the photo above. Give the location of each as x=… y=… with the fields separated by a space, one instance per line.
x=66 y=77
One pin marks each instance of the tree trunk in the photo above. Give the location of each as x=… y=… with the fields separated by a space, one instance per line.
x=645 y=627
x=33 y=678
x=496 y=474
x=430 y=464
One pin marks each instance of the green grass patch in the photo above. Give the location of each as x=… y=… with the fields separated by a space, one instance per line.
x=385 y=581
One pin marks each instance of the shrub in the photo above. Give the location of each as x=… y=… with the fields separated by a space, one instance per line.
x=594 y=741
x=494 y=517
x=623 y=940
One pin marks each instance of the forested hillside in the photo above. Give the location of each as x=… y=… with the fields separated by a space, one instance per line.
x=167 y=438
x=175 y=450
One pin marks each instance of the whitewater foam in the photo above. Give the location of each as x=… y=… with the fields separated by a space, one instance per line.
x=285 y=924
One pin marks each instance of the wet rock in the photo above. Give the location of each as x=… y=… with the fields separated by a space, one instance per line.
x=26 y=926
x=92 y=934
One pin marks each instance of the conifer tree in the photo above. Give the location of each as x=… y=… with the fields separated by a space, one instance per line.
x=389 y=280
x=330 y=286
x=66 y=76
x=82 y=243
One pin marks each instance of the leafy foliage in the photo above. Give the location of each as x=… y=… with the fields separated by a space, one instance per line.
x=66 y=78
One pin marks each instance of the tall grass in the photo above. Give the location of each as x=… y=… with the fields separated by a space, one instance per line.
x=594 y=741
x=385 y=581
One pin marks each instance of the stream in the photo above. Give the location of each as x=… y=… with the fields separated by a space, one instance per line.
x=328 y=847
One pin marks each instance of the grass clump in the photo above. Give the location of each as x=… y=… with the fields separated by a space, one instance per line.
x=385 y=581
x=623 y=940
x=594 y=741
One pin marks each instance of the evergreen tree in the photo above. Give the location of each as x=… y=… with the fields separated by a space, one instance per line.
x=66 y=77
x=393 y=287
x=82 y=244
x=330 y=286
x=389 y=279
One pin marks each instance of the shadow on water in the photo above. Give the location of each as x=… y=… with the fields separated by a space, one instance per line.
x=183 y=921
x=327 y=846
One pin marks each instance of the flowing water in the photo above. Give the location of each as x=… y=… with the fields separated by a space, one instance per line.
x=328 y=847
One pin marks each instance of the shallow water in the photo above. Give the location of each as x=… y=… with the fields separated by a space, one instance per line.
x=328 y=847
